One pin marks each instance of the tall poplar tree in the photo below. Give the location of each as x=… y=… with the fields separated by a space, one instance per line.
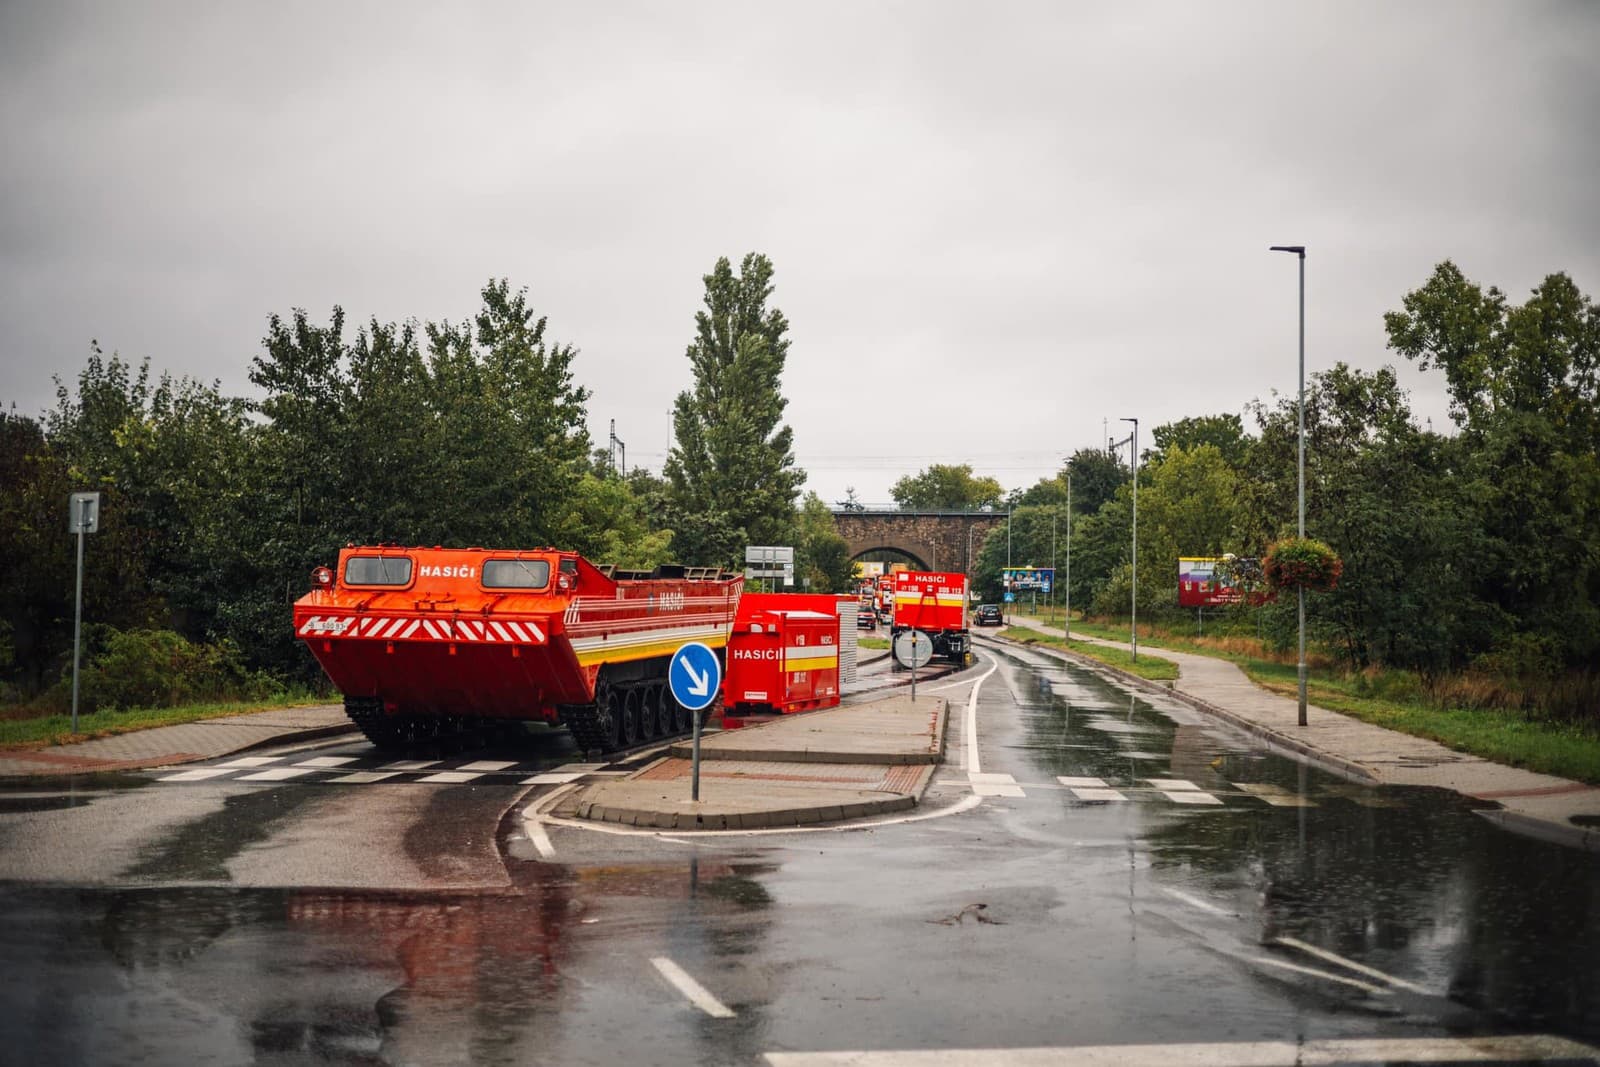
x=731 y=471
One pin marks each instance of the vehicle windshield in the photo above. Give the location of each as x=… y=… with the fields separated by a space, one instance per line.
x=516 y=574
x=377 y=570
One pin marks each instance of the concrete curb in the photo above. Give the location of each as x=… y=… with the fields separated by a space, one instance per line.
x=753 y=820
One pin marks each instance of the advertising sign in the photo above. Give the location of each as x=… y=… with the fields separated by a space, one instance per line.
x=1200 y=586
x=1028 y=579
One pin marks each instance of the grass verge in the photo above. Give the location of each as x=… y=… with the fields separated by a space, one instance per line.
x=57 y=729
x=1153 y=668
x=1496 y=734
x=872 y=642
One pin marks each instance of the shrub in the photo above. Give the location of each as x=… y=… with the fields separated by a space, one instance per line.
x=160 y=668
x=1302 y=563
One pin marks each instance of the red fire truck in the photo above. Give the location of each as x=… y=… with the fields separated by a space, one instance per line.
x=935 y=603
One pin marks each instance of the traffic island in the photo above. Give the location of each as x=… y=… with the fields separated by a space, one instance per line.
x=820 y=767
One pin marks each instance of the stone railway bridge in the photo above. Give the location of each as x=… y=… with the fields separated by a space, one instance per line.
x=934 y=540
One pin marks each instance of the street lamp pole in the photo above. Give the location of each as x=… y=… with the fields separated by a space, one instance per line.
x=1300 y=594
x=1133 y=622
x=1066 y=623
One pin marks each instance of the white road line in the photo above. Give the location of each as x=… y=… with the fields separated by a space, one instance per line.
x=1516 y=1048
x=1086 y=793
x=451 y=777
x=327 y=761
x=1190 y=796
x=487 y=765
x=552 y=778
x=1165 y=784
x=1327 y=976
x=1090 y=783
x=1196 y=902
x=198 y=775
x=364 y=777
x=536 y=833
x=410 y=765
x=698 y=995
x=1359 y=968
x=251 y=761
x=275 y=774
x=972 y=721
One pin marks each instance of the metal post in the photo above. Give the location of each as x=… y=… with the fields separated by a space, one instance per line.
x=1300 y=594
x=1066 y=623
x=1133 y=619
x=1302 y=597
x=694 y=778
x=913 y=666
x=77 y=617
x=1051 y=608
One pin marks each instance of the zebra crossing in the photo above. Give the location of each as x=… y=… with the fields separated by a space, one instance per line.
x=367 y=770
x=1178 y=791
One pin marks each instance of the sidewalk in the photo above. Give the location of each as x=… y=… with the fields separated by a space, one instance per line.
x=824 y=766
x=187 y=742
x=1540 y=805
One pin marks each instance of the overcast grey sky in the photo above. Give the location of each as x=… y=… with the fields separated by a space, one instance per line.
x=1018 y=218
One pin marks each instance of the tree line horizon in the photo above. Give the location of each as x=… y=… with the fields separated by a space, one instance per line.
x=1476 y=550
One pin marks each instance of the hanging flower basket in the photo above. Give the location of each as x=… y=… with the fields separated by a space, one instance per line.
x=1302 y=563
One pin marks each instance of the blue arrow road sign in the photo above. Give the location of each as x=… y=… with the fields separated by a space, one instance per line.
x=694 y=674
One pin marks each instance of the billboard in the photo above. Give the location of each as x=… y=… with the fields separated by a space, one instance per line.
x=1201 y=586
x=1028 y=579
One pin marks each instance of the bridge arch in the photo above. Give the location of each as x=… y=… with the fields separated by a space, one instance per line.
x=938 y=540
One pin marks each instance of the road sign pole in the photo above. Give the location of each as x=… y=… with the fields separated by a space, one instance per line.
x=913 y=666
x=694 y=776
x=77 y=620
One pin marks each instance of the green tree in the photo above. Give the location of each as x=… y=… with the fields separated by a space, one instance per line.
x=1523 y=385
x=946 y=487
x=731 y=467
x=1223 y=432
x=822 y=556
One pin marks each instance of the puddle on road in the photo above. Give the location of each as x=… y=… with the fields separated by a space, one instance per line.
x=1409 y=880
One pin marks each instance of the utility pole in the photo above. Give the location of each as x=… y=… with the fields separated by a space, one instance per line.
x=1300 y=593
x=1066 y=624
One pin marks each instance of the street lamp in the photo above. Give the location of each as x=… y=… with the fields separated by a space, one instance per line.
x=1066 y=623
x=1133 y=621
x=1300 y=594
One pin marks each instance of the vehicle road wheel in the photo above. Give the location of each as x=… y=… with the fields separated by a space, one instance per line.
x=681 y=721
x=663 y=703
x=646 y=711
x=629 y=703
x=608 y=716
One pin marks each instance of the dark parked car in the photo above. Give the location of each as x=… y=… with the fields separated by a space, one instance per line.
x=987 y=615
x=866 y=619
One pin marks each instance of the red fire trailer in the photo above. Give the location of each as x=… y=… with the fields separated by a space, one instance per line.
x=783 y=655
x=934 y=602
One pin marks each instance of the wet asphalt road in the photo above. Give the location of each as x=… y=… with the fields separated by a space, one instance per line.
x=218 y=920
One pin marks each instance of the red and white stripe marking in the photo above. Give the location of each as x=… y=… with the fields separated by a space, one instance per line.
x=404 y=628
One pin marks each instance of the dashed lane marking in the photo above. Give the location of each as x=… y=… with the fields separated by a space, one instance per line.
x=275 y=774
x=1191 y=797
x=1083 y=793
x=199 y=775
x=364 y=777
x=994 y=785
x=487 y=765
x=553 y=778
x=1195 y=902
x=1072 y=781
x=251 y=761
x=327 y=761
x=410 y=765
x=698 y=995
x=1169 y=784
x=452 y=777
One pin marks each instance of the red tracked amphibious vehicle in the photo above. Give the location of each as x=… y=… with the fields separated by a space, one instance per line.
x=430 y=643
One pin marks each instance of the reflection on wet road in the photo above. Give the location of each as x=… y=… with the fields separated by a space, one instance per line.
x=290 y=921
